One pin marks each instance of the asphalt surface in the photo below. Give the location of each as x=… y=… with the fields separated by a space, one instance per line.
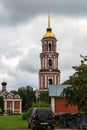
x=46 y=129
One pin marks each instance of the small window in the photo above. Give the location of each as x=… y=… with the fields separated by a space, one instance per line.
x=50 y=62
x=50 y=81
x=50 y=47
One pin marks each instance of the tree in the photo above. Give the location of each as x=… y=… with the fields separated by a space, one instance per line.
x=44 y=96
x=14 y=91
x=28 y=97
x=77 y=93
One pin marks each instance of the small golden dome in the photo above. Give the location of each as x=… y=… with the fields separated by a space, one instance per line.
x=49 y=30
x=49 y=34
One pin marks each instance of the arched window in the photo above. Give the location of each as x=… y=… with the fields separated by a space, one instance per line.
x=50 y=81
x=50 y=46
x=50 y=62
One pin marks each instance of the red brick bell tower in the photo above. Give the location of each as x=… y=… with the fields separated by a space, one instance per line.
x=49 y=72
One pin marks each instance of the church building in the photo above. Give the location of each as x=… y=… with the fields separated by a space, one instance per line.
x=11 y=101
x=49 y=73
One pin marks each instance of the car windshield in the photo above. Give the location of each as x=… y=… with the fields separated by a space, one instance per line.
x=48 y=111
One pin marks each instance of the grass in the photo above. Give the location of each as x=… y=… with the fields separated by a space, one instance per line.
x=12 y=122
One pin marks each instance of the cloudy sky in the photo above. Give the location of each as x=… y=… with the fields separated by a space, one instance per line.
x=22 y=26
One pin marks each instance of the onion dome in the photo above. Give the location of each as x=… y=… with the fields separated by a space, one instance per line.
x=3 y=83
x=49 y=33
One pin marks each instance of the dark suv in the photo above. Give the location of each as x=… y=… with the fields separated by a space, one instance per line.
x=41 y=117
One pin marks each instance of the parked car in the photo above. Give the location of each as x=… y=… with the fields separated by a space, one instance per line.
x=41 y=117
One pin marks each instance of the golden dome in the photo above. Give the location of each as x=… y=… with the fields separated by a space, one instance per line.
x=49 y=30
x=49 y=34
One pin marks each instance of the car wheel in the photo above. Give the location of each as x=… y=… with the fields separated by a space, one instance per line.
x=33 y=128
x=29 y=125
x=52 y=127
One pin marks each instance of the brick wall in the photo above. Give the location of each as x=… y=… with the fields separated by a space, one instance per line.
x=61 y=108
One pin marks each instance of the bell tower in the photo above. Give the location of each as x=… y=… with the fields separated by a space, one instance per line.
x=49 y=72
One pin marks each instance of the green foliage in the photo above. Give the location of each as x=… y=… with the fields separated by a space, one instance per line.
x=40 y=104
x=28 y=96
x=14 y=91
x=0 y=111
x=25 y=116
x=1 y=105
x=77 y=93
x=9 y=111
x=44 y=97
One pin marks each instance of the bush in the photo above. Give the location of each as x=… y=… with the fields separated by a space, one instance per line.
x=25 y=116
x=0 y=111
x=9 y=111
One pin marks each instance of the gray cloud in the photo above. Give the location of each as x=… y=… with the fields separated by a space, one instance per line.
x=30 y=63
x=24 y=23
x=14 y=12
